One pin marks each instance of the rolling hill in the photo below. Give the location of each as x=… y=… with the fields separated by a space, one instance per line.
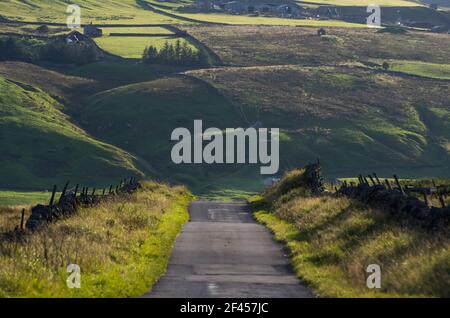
x=365 y=120
x=40 y=146
x=140 y=118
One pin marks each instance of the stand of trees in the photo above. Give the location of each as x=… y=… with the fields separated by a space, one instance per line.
x=53 y=50
x=178 y=54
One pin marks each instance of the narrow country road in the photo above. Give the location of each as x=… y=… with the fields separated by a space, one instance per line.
x=223 y=252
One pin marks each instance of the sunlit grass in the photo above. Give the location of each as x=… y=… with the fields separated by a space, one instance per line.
x=122 y=247
x=146 y=30
x=332 y=240
x=433 y=70
x=17 y=197
x=131 y=47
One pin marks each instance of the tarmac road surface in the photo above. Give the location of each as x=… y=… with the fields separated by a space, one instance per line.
x=223 y=252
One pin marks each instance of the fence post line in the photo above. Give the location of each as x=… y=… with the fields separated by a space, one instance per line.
x=65 y=188
x=365 y=181
x=441 y=200
x=110 y=189
x=360 y=180
x=376 y=177
x=53 y=196
x=63 y=193
x=93 y=191
x=103 y=193
x=22 y=218
x=371 y=180
x=399 y=185
x=76 y=190
x=388 y=184
x=425 y=197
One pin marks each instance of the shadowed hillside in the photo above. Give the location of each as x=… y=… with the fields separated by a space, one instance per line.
x=40 y=146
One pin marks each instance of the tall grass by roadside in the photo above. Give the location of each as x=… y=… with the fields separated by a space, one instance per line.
x=332 y=240
x=122 y=247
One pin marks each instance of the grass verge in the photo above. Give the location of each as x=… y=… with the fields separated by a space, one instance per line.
x=332 y=240
x=122 y=247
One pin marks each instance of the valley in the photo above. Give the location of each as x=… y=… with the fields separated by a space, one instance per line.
x=329 y=95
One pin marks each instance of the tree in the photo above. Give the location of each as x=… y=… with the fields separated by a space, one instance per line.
x=178 y=51
x=178 y=54
x=202 y=58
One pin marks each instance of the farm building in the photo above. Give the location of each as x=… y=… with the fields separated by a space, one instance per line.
x=92 y=31
x=282 y=8
x=269 y=7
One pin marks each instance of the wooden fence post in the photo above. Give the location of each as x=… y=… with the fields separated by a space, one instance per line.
x=360 y=179
x=388 y=184
x=425 y=197
x=399 y=185
x=22 y=219
x=63 y=193
x=76 y=190
x=371 y=179
x=53 y=196
x=365 y=181
x=93 y=191
x=376 y=177
x=103 y=193
x=110 y=189
x=441 y=199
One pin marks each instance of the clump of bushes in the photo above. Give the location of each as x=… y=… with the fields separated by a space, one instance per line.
x=178 y=54
x=55 y=50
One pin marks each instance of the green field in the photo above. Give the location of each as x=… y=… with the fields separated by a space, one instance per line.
x=432 y=70
x=394 y=3
x=12 y=198
x=140 y=30
x=129 y=46
x=96 y=11
x=242 y=20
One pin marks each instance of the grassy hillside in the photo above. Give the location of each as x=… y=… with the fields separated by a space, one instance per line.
x=122 y=247
x=140 y=119
x=40 y=146
x=338 y=112
x=96 y=11
x=60 y=86
x=322 y=112
x=275 y=45
x=332 y=240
